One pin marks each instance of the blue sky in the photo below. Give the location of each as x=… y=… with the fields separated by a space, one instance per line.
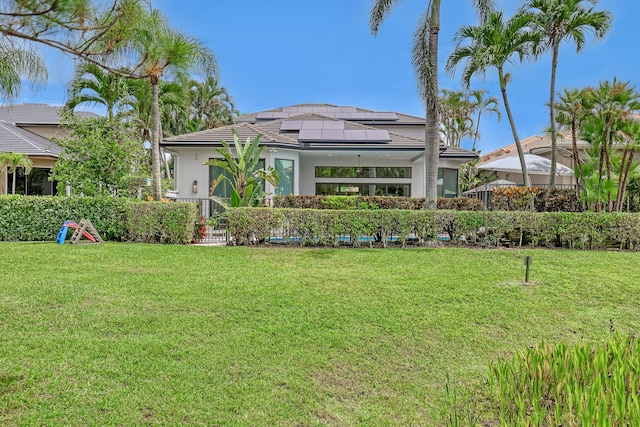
x=284 y=52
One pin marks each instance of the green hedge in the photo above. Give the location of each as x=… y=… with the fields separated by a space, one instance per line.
x=39 y=218
x=371 y=203
x=387 y=227
x=160 y=222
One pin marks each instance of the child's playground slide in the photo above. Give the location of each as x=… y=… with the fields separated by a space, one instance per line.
x=86 y=233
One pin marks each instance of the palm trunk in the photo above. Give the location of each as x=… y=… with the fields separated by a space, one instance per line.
x=13 y=185
x=432 y=138
x=552 y=117
x=577 y=164
x=523 y=165
x=155 y=140
x=625 y=169
x=475 y=137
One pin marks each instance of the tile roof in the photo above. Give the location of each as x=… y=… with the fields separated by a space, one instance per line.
x=402 y=119
x=272 y=135
x=35 y=114
x=16 y=140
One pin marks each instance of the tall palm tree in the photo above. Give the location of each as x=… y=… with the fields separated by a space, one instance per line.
x=493 y=44
x=481 y=105
x=166 y=50
x=11 y=162
x=557 y=21
x=455 y=115
x=93 y=85
x=17 y=63
x=211 y=104
x=425 y=64
x=572 y=108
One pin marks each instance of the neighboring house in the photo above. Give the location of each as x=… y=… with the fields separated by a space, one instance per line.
x=540 y=145
x=28 y=129
x=320 y=149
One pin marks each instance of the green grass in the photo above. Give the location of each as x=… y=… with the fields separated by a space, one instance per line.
x=124 y=334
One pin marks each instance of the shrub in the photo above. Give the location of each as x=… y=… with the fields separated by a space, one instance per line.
x=514 y=198
x=39 y=218
x=371 y=203
x=559 y=200
x=318 y=227
x=160 y=222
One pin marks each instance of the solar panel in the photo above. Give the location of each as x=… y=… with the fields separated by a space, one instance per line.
x=311 y=124
x=341 y=135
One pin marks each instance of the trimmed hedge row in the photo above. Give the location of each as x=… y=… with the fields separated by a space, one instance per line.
x=335 y=227
x=159 y=222
x=371 y=203
x=39 y=218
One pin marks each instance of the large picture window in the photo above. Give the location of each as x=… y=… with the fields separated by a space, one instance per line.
x=223 y=190
x=364 y=172
x=284 y=167
x=447 y=182
x=363 y=189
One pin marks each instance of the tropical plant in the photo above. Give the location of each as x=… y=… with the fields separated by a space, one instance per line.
x=165 y=50
x=15 y=63
x=493 y=44
x=614 y=103
x=572 y=109
x=481 y=105
x=455 y=116
x=11 y=162
x=556 y=21
x=92 y=30
x=101 y=157
x=94 y=85
x=425 y=64
x=240 y=166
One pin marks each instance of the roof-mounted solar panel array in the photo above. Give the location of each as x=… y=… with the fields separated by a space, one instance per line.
x=311 y=124
x=344 y=135
x=319 y=110
x=343 y=113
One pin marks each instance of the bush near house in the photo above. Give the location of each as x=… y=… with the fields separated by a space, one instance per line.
x=372 y=203
x=318 y=227
x=34 y=218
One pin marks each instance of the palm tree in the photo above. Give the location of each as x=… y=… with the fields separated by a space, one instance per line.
x=16 y=63
x=493 y=44
x=455 y=115
x=93 y=85
x=211 y=104
x=166 y=50
x=481 y=105
x=572 y=107
x=563 y=20
x=11 y=162
x=425 y=64
x=629 y=134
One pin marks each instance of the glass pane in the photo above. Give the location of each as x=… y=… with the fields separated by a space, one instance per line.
x=447 y=182
x=362 y=172
x=224 y=187
x=285 y=171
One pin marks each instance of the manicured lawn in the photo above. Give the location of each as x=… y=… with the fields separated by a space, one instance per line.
x=123 y=334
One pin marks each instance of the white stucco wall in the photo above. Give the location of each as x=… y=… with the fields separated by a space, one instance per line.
x=189 y=167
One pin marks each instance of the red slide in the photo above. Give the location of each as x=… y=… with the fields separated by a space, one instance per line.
x=85 y=233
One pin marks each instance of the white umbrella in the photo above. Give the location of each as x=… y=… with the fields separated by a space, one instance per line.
x=536 y=165
x=498 y=183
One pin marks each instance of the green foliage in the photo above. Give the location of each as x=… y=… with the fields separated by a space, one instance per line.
x=241 y=171
x=329 y=227
x=371 y=202
x=556 y=385
x=11 y=162
x=35 y=218
x=558 y=200
x=161 y=222
x=100 y=158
